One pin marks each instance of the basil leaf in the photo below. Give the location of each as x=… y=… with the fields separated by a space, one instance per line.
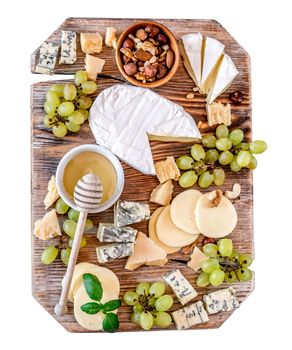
x=93 y=286
x=91 y=308
x=112 y=305
x=110 y=323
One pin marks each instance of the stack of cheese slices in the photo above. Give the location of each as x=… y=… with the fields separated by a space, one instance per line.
x=211 y=69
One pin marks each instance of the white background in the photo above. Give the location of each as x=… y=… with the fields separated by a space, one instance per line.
x=263 y=28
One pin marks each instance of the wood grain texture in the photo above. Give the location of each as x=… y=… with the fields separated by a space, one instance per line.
x=47 y=151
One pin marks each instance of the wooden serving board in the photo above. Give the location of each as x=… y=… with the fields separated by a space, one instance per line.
x=47 y=150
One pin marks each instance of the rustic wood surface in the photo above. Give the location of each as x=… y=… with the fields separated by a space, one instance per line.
x=47 y=151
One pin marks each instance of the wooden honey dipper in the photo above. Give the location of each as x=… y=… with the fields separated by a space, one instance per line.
x=87 y=196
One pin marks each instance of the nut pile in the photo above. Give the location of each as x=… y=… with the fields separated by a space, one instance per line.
x=147 y=55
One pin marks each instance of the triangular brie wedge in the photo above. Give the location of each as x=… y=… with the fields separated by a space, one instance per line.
x=123 y=117
x=145 y=252
x=225 y=75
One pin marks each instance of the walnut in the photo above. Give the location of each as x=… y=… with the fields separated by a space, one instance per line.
x=234 y=193
x=214 y=198
x=149 y=47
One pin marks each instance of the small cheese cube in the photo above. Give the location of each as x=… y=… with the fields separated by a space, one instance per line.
x=221 y=300
x=190 y=316
x=47 y=227
x=68 y=47
x=91 y=42
x=110 y=233
x=167 y=170
x=113 y=251
x=127 y=213
x=218 y=113
x=93 y=66
x=110 y=37
x=52 y=194
x=197 y=259
x=162 y=193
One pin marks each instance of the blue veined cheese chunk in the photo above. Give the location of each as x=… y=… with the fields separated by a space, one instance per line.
x=221 y=300
x=114 y=251
x=180 y=286
x=68 y=47
x=190 y=316
x=127 y=213
x=48 y=58
x=110 y=233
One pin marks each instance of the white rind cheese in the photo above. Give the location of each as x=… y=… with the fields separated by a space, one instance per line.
x=180 y=286
x=124 y=117
x=110 y=233
x=68 y=47
x=190 y=315
x=114 y=251
x=48 y=58
x=221 y=300
x=127 y=213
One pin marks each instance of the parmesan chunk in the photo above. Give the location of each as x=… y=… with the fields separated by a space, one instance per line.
x=91 y=43
x=47 y=227
x=110 y=37
x=218 y=113
x=93 y=66
x=197 y=259
x=162 y=193
x=52 y=194
x=167 y=170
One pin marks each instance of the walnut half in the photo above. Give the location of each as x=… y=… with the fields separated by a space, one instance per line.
x=214 y=198
x=234 y=193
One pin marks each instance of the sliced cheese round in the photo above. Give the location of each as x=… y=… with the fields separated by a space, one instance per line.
x=91 y=322
x=171 y=235
x=215 y=222
x=182 y=211
x=153 y=234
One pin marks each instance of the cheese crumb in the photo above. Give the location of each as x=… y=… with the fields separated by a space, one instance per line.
x=47 y=227
x=162 y=193
x=167 y=170
x=52 y=194
x=218 y=113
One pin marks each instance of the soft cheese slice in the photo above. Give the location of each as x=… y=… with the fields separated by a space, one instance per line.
x=47 y=227
x=122 y=117
x=145 y=252
x=171 y=235
x=225 y=75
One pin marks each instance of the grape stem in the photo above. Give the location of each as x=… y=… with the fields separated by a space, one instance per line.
x=228 y=264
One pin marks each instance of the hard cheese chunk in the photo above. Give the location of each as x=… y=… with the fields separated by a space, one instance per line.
x=48 y=58
x=127 y=213
x=190 y=316
x=52 y=194
x=47 y=227
x=110 y=37
x=113 y=251
x=218 y=113
x=162 y=193
x=111 y=233
x=91 y=43
x=180 y=286
x=221 y=300
x=68 y=47
x=197 y=259
x=93 y=66
x=167 y=170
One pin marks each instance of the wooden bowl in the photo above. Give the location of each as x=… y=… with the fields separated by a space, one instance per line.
x=172 y=44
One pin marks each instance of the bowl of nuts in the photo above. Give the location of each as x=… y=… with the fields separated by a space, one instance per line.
x=147 y=54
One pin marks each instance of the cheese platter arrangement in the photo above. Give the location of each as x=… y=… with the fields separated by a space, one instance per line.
x=142 y=192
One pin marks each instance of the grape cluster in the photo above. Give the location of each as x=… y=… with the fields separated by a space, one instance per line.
x=67 y=105
x=50 y=253
x=224 y=263
x=220 y=149
x=150 y=305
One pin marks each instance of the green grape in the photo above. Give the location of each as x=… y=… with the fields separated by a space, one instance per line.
x=244 y=274
x=203 y=280
x=243 y=158
x=197 y=152
x=200 y=167
x=69 y=92
x=163 y=319
x=234 y=165
x=72 y=126
x=222 y=131
x=84 y=112
x=83 y=242
x=49 y=255
x=143 y=288
x=73 y=214
x=60 y=130
x=135 y=318
x=230 y=277
x=258 y=146
x=164 y=302
x=146 y=320
x=217 y=277
x=253 y=163
x=52 y=98
x=225 y=157
x=245 y=260
x=65 y=109
x=235 y=255
x=49 y=108
x=210 y=250
x=48 y=121
x=84 y=102
x=209 y=140
x=69 y=227
x=243 y=145
x=137 y=308
x=211 y=156
x=206 y=179
x=236 y=136
x=209 y=265
x=157 y=289
x=80 y=77
x=188 y=179
x=65 y=255
x=58 y=89
x=89 y=87
x=151 y=301
x=225 y=247
x=61 y=207
x=184 y=162
x=131 y=298
x=223 y=144
x=219 y=176
x=88 y=225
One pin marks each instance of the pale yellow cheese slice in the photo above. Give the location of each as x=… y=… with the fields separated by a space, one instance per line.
x=52 y=194
x=171 y=235
x=182 y=211
x=47 y=227
x=197 y=259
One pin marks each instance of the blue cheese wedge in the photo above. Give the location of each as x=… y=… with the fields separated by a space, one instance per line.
x=114 y=251
x=48 y=58
x=180 y=286
x=127 y=213
x=190 y=316
x=221 y=300
x=110 y=233
x=68 y=47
